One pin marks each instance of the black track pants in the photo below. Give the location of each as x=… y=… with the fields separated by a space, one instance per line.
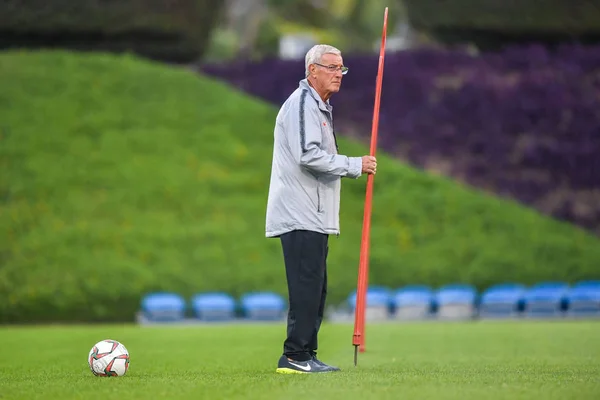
x=305 y=257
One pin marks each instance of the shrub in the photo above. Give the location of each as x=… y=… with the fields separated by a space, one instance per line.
x=119 y=177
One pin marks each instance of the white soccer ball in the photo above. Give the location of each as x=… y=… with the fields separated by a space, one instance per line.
x=108 y=358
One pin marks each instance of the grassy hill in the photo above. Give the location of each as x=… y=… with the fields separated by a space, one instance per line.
x=120 y=176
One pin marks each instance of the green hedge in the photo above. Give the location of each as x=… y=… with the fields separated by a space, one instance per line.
x=493 y=22
x=169 y=30
x=119 y=177
x=502 y=15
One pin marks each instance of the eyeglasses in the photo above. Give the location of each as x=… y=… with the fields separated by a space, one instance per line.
x=334 y=68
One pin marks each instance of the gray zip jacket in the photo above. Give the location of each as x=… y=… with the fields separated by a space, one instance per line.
x=306 y=171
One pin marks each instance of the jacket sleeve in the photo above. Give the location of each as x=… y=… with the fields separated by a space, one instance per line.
x=304 y=135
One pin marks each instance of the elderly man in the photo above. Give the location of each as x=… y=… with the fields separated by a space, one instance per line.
x=304 y=201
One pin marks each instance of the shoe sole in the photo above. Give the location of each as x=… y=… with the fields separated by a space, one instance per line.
x=295 y=371
x=289 y=371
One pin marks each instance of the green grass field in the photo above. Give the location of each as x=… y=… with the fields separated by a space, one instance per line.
x=491 y=360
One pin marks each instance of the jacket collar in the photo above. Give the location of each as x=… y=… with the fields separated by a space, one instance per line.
x=325 y=106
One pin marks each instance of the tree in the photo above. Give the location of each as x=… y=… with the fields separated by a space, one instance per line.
x=168 y=30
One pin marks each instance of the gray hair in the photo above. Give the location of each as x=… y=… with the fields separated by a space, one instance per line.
x=315 y=54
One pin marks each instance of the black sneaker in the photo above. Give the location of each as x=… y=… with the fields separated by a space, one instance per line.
x=287 y=366
x=322 y=364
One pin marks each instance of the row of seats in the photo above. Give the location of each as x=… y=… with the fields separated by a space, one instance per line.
x=544 y=299
x=211 y=306
x=454 y=301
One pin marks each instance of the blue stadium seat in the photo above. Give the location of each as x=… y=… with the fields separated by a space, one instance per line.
x=545 y=299
x=263 y=306
x=413 y=302
x=378 y=303
x=163 y=307
x=213 y=306
x=455 y=301
x=504 y=300
x=583 y=299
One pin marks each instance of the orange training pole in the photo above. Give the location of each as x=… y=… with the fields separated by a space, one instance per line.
x=363 y=268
